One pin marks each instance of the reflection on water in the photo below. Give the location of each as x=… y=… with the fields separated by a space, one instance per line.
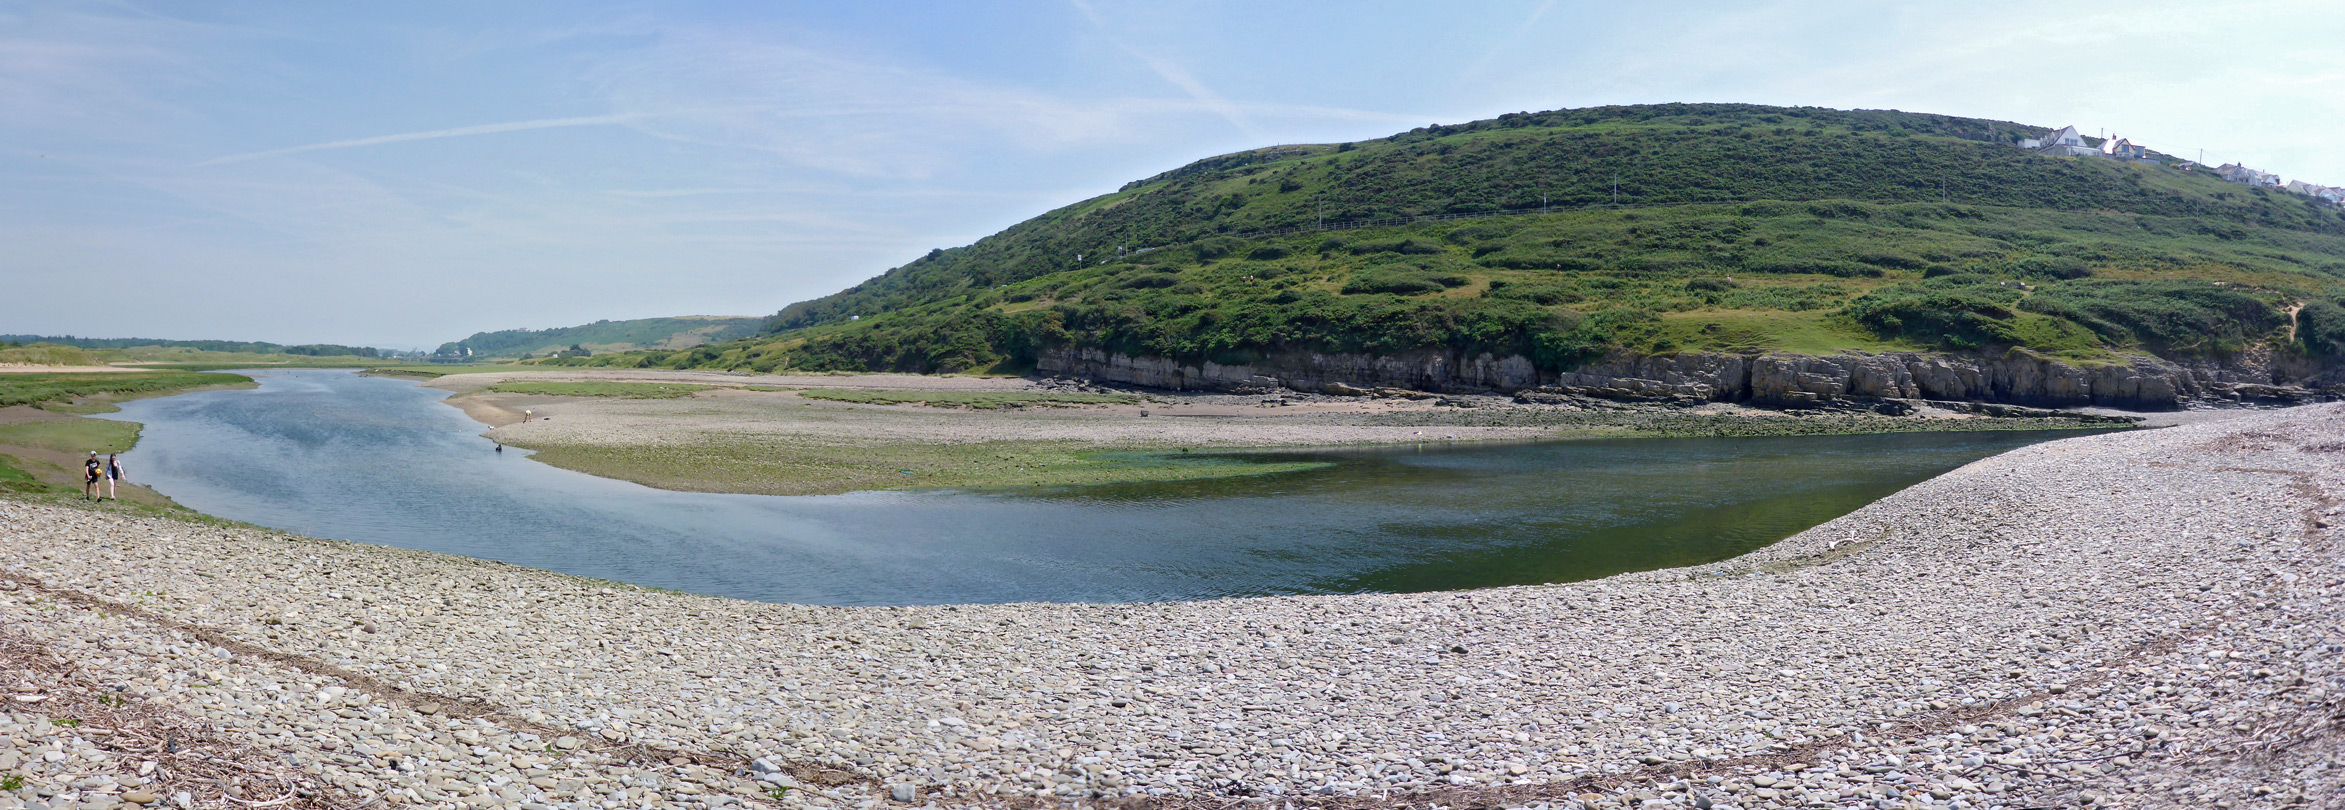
x=333 y=454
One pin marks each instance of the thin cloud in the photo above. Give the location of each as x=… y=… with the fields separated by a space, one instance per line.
x=1176 y=75
x=458 y=132
x=1513 y=37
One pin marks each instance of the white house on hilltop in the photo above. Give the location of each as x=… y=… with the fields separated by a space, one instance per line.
x=2063 y=142
x=2064 y=136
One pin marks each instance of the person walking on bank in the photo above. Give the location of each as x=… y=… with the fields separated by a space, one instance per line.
x=113 y=474
x=90 y=470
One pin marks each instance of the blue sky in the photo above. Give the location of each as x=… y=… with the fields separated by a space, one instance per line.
x=401 y=174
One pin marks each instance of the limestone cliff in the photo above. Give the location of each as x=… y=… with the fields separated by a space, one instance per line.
x=2141 y=383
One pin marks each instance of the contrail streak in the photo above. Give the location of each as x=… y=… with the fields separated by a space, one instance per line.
x=1165 y=69
x=483 y=129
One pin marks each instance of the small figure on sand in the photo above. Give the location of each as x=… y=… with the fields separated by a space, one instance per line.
x=113 y=474
x=91 y=470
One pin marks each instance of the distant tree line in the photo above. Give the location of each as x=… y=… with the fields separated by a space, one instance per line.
x=253 y=347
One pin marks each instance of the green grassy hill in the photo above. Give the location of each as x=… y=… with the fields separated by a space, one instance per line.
x=152 y=345
x=148 y=353
x=1565 y=234
x=607 y=336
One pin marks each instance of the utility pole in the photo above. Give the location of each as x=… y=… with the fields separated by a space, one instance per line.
x=1616 y=188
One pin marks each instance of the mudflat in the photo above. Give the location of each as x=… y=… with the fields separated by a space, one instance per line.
x=809 y=434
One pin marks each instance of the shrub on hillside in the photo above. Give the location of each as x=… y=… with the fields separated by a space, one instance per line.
x=1826 y=267
x=1890 y=260
x=1542 y=294
x=1152 y=280
x=1406 y=246
x=1954 y=312
x=1401 y=282
x=2320 y=330
x=2181 y=316
x=1515 y=258
x=1217 y=247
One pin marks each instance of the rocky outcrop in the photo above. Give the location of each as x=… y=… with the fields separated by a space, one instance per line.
x=1780 y=380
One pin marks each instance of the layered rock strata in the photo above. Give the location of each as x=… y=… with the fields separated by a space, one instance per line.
x=1779 y=380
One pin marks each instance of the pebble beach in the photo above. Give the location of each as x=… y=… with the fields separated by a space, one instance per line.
x=2136 y=619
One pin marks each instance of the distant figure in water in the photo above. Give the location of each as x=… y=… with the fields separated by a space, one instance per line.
x=113 y=474
x=500 y=447
x=91 y=469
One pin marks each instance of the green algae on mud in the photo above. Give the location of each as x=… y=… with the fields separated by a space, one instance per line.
x=798 y=465
x=600 y=388
x=779 y=466
x=979 y=400
x=1664 y=422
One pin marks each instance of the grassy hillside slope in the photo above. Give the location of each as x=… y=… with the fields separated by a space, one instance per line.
x=153 y=345
x=1736 y=227
x=150 y=355
x=608 y=336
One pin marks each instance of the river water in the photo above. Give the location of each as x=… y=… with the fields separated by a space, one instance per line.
x=377 y=460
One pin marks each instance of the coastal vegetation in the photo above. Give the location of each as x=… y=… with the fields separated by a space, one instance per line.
x=14 y=479
x=71 y=436
x=748 y=462
x=604 y=336
x=159 y=356
x=437 y=370
x=597 y=388
x=41 y=446
x=1565 y=235
x=212 y=346
x=978 y=400
x=48 y=354
x=792 y=465
x=58 y=389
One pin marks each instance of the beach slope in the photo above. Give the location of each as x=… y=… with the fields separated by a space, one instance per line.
x=2140 y=619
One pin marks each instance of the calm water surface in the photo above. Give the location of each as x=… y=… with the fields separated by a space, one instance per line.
x=333 y=454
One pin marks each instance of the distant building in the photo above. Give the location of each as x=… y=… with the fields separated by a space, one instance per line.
x=2063 y=142
x=2123 y=149
x=2064 y=136
x=2316 y=191
x=2246 y=176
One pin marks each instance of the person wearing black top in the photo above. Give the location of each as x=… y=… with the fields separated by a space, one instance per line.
x=90 y=471
x=113 y=474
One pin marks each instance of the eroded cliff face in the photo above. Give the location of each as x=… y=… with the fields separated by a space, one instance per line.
x=2142 y=383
